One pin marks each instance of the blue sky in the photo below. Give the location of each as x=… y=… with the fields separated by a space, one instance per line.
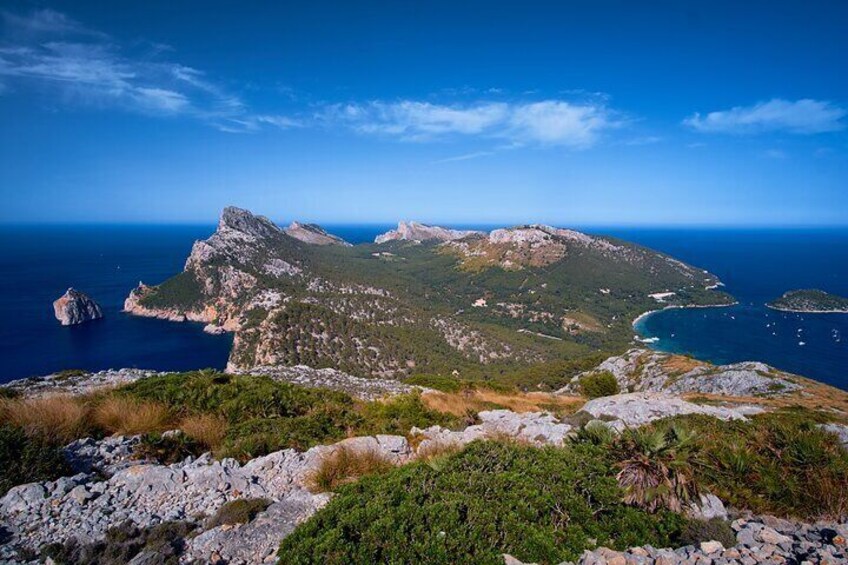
x=572 y=113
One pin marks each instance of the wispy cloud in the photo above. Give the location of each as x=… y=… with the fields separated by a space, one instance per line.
x=49 y=50
x=465 y=157
x=547 y=122
x=800 y=117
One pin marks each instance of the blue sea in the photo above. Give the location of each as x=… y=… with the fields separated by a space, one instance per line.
x=38 y=263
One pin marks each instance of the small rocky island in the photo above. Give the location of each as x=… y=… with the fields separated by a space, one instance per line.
x=810 y=301
x=75 y=307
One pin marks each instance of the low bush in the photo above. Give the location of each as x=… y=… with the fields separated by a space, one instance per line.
x=8 y=393
x=239 y=511
x=399 y=414
x=344 y=465
x=168 y=448
x=595 y=385
x=541 y=505
x=778 y=463
x=26 y=459
x=696 y=531
x=163 y=544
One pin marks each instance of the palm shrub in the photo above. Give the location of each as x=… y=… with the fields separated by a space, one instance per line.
x=600 y=384
x=656 y=468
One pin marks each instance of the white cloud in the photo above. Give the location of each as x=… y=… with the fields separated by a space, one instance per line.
x=548 y=122
x=800 y=117
x=48 y=50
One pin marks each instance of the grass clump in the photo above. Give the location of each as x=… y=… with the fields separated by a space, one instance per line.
x=538 y=504
x=26 y=459
x=59 y=418
x=599 y=384
x=167 y=448
x=126 y=416
x=344 y=465
x=697 y=530
x=239 y=511
x=208 y=430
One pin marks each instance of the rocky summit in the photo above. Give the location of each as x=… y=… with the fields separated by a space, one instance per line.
x=314 y=234
x=417 y=232
x=75 y=307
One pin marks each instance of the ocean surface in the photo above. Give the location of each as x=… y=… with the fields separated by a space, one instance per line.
x=37 y=264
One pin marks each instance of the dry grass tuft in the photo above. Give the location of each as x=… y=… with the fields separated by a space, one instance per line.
x=207 y=429
x=473 y=401
x=680 y=364
x=61 y=418
x=125 y=416
x=345 y=465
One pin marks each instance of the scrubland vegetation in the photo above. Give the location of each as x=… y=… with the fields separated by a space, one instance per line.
x=540 y=504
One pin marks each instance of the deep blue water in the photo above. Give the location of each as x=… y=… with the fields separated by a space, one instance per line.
x=756 y=267
x=37 y=264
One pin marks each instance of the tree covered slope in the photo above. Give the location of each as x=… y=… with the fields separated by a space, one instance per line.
x=471 y=303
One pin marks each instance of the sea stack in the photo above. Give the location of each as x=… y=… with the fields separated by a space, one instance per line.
x=75 y=307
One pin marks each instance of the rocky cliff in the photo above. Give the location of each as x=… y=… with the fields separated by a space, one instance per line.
x=75 y=307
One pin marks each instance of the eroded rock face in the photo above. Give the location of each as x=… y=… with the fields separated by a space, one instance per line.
x=313 y=234
x=75 y=307
x=640 y=408
x=414 y=231
x=642 y=370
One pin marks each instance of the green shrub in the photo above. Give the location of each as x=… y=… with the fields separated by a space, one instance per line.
x=237 y=398
x=696 y=531
x=25 y=459
x=167 y=449
x=399 y=414
x=163 y=544
x=70 y=373
x=538 y=504
x=8 y=393
x=265 y=415
x=600 y=384
x=239 y=511
x=778 y=463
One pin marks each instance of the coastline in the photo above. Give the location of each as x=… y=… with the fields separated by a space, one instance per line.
x=644 y=315
x=794 y=311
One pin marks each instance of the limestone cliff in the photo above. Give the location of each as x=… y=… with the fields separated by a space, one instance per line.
x=75 y=307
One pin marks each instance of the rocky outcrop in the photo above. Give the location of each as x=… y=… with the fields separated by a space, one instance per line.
x=414 y=231
x=642 y=370
x=313 y=234
x=82 y=382
x=358 y=387
x=840 y=430
x=534 y=427
x=760 y=539
x=637 y=409
x=75 y=307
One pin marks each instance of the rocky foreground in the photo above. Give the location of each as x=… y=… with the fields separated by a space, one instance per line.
x=113 y=486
